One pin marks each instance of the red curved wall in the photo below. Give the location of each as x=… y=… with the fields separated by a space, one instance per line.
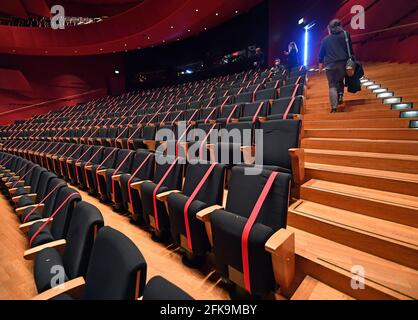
x=28 y=80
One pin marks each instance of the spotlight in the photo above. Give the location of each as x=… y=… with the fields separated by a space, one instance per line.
x=117 y=72
x=374 y=87
x=368 y=83
x=301 y=21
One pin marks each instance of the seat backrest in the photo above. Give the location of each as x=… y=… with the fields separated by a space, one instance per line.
x=43 y=184
x=117 y=269
x=96 y=155
x=159 y=289
x=212 y=191
x=279 y=106
x=231 y=110
x=124 y=158
x=86 y=220
x=267 y=94
x=244 y=97
x=54 y=187
x=148 y=133
x=288 y=91
x=278 y=137
x=245 y=189
x=147 y=170
x=250 y=109
x=65 y=203
x=242 y=128
x=87 y=153
x=175 y=178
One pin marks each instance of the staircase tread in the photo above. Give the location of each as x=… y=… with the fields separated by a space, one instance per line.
x=364 y=140
x=397 y=199
x=364 y=154
x=385 y=274
x=379 y=228
x=312 y=289
x=408 y=177
x=364 y=129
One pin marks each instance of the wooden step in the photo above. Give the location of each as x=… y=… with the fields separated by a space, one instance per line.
x=388 y=240
x=382 y=134
x=396 y=182
x=381 y=114
x=378 y=161
x=398 y=208
x=332 y=263
x=359 y=123
x=363 y=145
x=312 y=289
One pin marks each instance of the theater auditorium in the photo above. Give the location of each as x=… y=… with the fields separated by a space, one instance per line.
x=241 y=150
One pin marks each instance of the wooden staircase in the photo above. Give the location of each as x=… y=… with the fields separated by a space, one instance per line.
x=359 y=205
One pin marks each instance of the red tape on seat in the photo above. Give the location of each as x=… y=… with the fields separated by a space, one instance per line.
x=43 y=200
x=191 y=199
x=248 y=226
x=154 y=193
x=100 y=165
x=133 y=177
x=258 y=111
x=24 y=176
x=51 y=217
x=118 y=168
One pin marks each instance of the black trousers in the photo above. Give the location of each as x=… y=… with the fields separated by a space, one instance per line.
x=336 y=73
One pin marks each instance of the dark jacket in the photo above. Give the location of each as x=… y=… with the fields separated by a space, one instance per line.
x=293 y=59
x=334 y=49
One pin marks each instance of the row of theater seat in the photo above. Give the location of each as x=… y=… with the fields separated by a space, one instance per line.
x=69 y=243
x=181 y=202
x=167 y=111
x=177 y=200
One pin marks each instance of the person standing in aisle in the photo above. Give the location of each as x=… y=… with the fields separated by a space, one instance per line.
x=333 y=56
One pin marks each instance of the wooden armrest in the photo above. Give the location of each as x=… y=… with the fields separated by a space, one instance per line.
x=89 y=167
x=262 y=119
x=61 y=159
x=204 y=215
x=31 y=253
x=19 y=185
x=69 y=161
x=78 y=164
x=116 y=177
x=39 y=208
x=17 y=198
x=54 y=157
x=281 y=246
x=150 y=144
x=248 y=153
x=136 y=185
x=109 y=139
x=298 y=165
x=164 y=195
x=73 y=288
x=102 y=172
x=26 y=226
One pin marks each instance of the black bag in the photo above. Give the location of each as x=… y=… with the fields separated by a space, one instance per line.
x=351 y=62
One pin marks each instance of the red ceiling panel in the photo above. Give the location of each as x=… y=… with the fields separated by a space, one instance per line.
x=151 y=22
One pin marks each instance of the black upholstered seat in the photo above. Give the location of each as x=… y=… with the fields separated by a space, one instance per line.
x=228 y=226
